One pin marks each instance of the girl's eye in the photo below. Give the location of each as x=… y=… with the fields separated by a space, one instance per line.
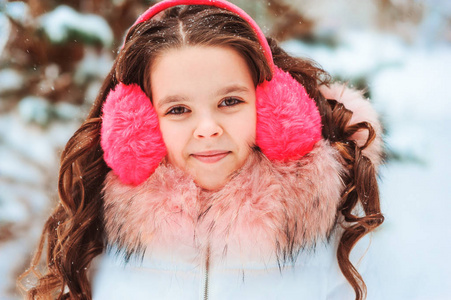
x=178 y=110
x=230 y=102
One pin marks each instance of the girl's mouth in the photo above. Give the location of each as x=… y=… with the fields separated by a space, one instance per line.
x=210 y=156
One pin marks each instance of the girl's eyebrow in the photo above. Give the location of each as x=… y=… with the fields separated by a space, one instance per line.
x=171 y=99
x=235 y=88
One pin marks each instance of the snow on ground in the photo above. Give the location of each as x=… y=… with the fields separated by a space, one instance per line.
x=413 y=246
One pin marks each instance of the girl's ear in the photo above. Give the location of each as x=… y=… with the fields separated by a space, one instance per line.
x=288 y=121
x=130 y=135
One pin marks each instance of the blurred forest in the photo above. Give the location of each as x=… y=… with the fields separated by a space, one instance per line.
x=55 y=54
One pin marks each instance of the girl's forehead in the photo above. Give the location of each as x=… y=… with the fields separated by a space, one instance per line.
x=191 y=72
x=200 y=55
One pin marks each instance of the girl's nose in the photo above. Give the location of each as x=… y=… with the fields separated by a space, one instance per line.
x=207 y=128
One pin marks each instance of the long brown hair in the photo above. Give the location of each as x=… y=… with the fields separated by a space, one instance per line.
x=73 y=235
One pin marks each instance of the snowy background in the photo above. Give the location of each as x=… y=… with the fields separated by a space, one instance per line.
x=53 y=58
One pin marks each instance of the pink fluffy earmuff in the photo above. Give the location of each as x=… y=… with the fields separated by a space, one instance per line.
x=288 y=121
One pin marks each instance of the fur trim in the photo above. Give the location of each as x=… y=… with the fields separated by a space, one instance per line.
x=362 y=112
x=288 y=121
x=268 y=211
x=130 y=135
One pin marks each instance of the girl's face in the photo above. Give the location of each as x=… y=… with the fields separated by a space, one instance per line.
x=205 y=101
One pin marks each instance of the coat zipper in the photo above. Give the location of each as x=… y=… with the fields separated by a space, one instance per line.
x=206 y=270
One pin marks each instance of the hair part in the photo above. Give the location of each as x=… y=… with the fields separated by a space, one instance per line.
x=73 y=235
x=196 y=26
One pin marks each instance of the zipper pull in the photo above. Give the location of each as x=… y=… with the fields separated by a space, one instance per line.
x=206 y=273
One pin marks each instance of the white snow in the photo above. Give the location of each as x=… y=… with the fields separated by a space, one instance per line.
x=35 y=109
x=92 y=91
x=412 y=247
x=29 y=155
x=10 y=81
x=18 y=10
x=358 y=54
x=60 y=22
x=93 y=65
x=12 y=165
x=66 y=111
x=417 y=89
x=38 y=110
x=35 y=143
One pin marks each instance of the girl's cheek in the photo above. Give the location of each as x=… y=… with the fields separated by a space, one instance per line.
x=176 y=138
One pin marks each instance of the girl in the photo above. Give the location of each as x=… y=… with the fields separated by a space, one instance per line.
x=211 y=165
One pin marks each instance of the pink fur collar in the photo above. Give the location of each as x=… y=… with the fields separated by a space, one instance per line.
x=267 y=212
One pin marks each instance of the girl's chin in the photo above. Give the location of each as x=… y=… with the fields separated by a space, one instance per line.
x=211 y=184
x=212 y=177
